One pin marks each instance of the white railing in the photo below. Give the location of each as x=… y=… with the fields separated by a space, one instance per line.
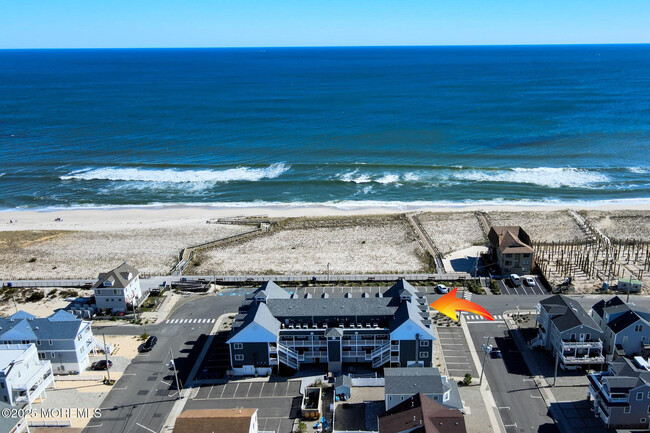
x=583 y=359
x=570 y=345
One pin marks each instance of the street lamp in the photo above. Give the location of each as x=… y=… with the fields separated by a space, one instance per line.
x=328 y=272
x=487 y=348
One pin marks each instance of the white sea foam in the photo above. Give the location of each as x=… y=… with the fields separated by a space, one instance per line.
x=2 y=174
x=551 y=177
x=388 y=178
x=638 y=170
x=353 y=176
x=179 y=176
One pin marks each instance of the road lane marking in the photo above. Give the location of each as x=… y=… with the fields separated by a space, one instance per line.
x=146 y=428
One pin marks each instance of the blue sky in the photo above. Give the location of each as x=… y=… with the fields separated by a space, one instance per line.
x=244 y=23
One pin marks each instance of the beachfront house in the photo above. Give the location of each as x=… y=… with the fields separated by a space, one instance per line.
x=621 y=395
x=403 y=383
x=237 y=420
x=118 y=290
x=23 y=376
x=420 y=414
x=626 y=327
x=510 y=247
x=62 y=339
x=274 y=329
x=566 y=330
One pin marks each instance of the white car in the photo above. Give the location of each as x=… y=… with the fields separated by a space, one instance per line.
x=530 y=281
x=516 y=281
x=442 y=288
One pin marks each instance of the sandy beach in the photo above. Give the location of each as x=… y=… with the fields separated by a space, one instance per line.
x=370 y=239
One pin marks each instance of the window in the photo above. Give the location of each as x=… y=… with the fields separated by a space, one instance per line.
x=52 y=354
x=41 y=356
x=239 y=357
x=99 y=292
x=508 y=255
x=424 y=343
x=508 y=263
x=239 y=346
x=50 y=342
x=639 y=396
x=638 y=328
x=527 y=255
x=626 y=409
x=642 y=420
x=424 y=354
x=573 y=336
x=525 y=262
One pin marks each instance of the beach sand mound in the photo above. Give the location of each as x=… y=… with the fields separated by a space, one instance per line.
x=541 y=226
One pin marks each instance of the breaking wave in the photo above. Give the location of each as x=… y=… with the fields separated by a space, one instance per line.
x=170 y=175
x=551 y=177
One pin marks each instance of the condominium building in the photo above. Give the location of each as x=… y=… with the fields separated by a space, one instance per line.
x=565 y=329
x=275 y=328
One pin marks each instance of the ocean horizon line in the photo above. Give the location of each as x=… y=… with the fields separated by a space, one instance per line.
x=272 y=47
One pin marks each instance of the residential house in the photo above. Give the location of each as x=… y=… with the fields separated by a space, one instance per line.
x=626 y=327
x=23 y=376
x=217 y=421
x=12 y=424
x=62 y=339
x=420 y=414
x=621 y=395
x=565 y=329
x=402 y=383
x=118 y=290
x=274 y=329
x=511 y=249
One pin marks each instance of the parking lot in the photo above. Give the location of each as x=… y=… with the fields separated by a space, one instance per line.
x=456 y=352
x=278 y=402
x=508 y=288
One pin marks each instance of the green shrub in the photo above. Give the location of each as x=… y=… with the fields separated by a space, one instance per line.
x=32 y=260
x=494 y=287
x=467 y=380
x=35 y=297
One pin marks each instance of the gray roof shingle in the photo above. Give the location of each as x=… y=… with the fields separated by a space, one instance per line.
x=566 y=313
x=411 y=380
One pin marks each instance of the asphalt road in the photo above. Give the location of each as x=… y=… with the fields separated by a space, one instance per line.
x=143 y=397
x=520 y=403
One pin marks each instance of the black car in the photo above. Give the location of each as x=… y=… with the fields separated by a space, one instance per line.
x=101 y=365
x=149 y=344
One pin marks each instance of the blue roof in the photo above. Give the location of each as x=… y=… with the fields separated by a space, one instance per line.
x=23 y=326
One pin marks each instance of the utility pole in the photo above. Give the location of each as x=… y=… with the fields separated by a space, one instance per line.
x=486 y=345
x=108 y=370
x=328 y=272
x=135 y=308
x=556 y=363
x=178 y=384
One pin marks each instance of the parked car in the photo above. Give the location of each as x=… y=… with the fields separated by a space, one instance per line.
x=515 y=279
x=442 y=288
x=149 y=344
x=530 y=281
x=101 y=365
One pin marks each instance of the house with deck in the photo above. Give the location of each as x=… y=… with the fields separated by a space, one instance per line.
x=421 y=414
x=118 y=290
x=23 y=376
x=566 y=330
x=626 y=327
x=621 y=395
x=510 y=246
x=274 y=329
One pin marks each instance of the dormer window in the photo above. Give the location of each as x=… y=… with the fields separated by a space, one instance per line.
x=108 y=283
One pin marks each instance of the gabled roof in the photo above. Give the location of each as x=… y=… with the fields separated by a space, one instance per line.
x=420 y=414
x=624 y=321
x=214 y=421
x=411 y=380
x=510 y=239
x=11 y=419
x=400 y=287
x=120 y=277
x=566 y=313
x=59 y=326
x=599 y=307
x=408 y=310
x=260 y=316
x=334 y=332
x=270 y=290
x=22 y=315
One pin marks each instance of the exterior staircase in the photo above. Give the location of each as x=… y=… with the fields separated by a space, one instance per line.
x=380 y=355
x=288 y=356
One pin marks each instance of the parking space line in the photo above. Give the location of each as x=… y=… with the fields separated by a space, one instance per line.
x=262 y=388
x=223 y=390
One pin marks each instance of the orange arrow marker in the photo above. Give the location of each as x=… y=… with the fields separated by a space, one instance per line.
x=449 y=304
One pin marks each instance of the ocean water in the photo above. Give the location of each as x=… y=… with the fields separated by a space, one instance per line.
x=343 y=126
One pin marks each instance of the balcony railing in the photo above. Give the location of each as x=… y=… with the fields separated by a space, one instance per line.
x=582 y=359
x=571 y=345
